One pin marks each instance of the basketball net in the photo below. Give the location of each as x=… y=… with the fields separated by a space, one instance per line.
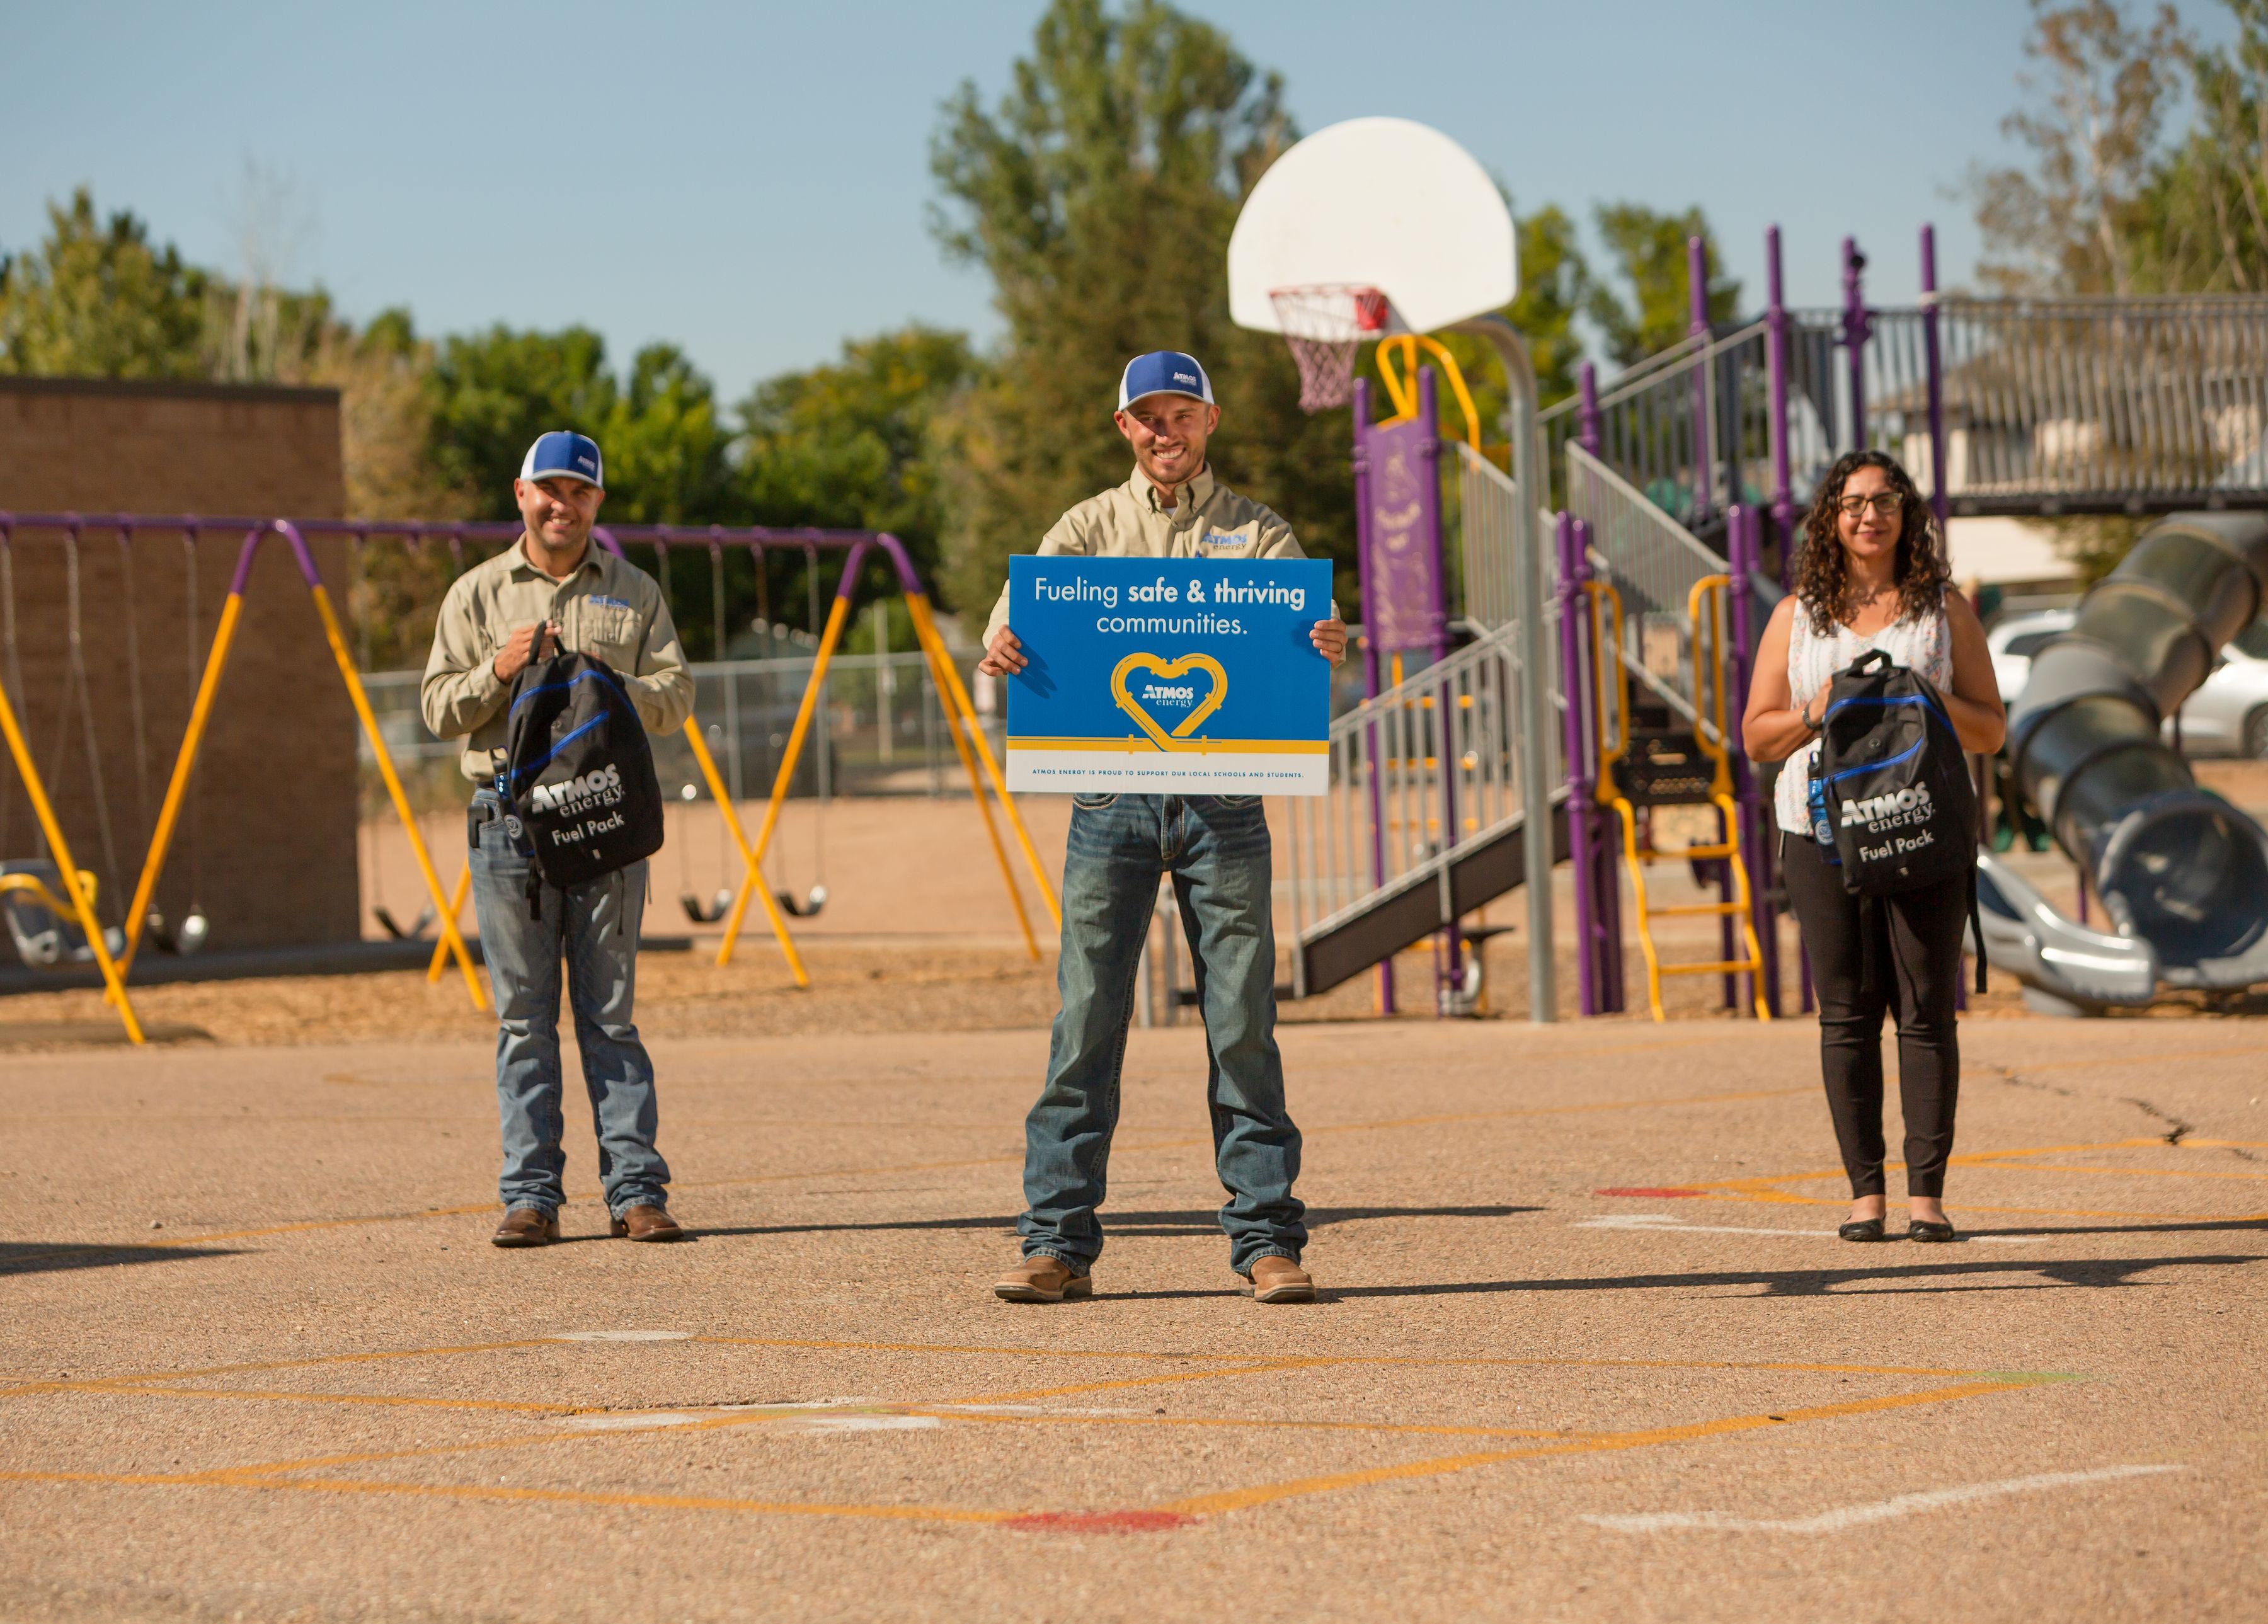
x=1325 y=323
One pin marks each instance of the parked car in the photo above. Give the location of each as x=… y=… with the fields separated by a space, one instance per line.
x=2015 y=640
x=2228 y=713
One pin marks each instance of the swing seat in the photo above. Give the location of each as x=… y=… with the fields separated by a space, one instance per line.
x=710 y=911
x=40 y=918
x=806 y=907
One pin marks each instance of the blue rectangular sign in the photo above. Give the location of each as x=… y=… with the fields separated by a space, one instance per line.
x=1169 y=676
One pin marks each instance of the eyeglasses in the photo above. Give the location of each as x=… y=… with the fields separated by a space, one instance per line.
x=1885 y=503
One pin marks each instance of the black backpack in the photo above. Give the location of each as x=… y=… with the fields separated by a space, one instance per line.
x=1895 y=784
x=578 y=774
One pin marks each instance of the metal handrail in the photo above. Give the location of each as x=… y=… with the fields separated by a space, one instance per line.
x=1417 y=772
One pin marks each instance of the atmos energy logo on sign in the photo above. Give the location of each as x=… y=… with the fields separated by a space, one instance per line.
x=1169 y=676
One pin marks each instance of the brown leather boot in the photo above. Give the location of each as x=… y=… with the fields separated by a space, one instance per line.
x=1280 y=1280
x=1041 y=1279
x=526 y=1226
x=647 y=1222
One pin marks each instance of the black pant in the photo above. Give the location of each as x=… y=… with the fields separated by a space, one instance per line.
x=1916 y=957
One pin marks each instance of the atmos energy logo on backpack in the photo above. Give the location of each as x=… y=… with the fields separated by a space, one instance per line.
x=1877 y=815
x=578 y=774
x=602 y=788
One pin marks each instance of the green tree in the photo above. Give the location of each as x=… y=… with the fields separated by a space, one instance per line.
x=850 y=443
x=2201 y=224
x=1099 y=193
x=495 y=390
x=1650 y=250
x=2079 y=220
x=665 y=448
x=96 y=299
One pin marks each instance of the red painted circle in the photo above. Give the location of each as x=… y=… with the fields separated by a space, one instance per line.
x=1100 y=1522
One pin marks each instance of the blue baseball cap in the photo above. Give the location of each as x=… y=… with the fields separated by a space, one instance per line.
x=1163 y=372
x=565 y=455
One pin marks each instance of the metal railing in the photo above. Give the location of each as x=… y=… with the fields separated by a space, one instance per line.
x=1488 y=502
x=1654 y=563
x=1691 y=429
x=1427 y=767
x=2084 y=404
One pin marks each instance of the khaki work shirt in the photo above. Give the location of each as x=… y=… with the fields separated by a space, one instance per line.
x=608 y=609
x=1208 y=521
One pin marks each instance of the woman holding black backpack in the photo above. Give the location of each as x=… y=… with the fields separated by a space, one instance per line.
x=1871 y=574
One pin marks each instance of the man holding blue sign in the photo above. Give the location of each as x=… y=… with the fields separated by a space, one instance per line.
x=1164 y=751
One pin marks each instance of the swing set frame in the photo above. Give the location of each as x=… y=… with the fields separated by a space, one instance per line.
x=959 y=715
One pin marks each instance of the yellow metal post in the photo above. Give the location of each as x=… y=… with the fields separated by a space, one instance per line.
x=925 y=627
x=754 y=880
x=72 y=887
x=941 y=673
x=449 y=936
x=169 y=813
x=464 y=887
x=753 y=876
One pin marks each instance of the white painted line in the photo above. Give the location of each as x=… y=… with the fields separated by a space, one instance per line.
x=1666 y=1221
x=1660 y=1222
x=627 y=1424
x=825 y=1422
x=1880 y=1510
x=622 y=1336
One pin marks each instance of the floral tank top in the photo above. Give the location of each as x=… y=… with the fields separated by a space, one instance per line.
x=1924 y=646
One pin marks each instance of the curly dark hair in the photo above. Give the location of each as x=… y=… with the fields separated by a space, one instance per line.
x=1822 y=579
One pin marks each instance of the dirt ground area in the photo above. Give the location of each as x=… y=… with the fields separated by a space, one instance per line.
x=1588 y=1348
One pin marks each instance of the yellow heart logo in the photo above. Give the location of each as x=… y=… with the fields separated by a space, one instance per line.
x=1166 y=670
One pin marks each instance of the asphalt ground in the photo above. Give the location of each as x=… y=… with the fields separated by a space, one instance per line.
x=1587 y=1347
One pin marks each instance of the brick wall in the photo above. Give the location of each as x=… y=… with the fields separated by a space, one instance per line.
x=268 y=840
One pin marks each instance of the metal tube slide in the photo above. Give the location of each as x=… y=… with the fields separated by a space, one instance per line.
x=2177 y=867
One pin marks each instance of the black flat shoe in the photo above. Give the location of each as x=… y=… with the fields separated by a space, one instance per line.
x=1922 y=1229
x=1861 y=1229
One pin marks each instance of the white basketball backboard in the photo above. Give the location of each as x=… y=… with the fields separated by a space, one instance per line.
x=1379 y=202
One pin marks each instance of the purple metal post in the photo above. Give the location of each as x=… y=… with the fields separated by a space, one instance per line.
x=1783 y=500
x=1574 y=734
x=1362 y=538
x=1587 y=417
x=1937 y=474
x=1696 y=303
x=1370 y=665
x=1855 y=330
x=1605 y=883
x=1452 y=956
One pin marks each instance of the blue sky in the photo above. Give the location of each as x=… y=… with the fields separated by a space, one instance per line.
x=751 y=181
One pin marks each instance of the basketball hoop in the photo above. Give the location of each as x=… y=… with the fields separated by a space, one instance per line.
x=1325 y=323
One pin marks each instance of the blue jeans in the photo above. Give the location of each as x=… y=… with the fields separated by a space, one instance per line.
x=1217 y=850
x=594 y=928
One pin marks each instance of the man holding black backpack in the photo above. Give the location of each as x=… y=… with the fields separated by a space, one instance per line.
x=553 y=593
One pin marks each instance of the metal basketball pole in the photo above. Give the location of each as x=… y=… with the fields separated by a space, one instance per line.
x=1530 y=473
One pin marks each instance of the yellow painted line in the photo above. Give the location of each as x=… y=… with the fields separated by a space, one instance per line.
x=383 y=1400
x=2132 y=1173
x=1257 y=1424
x=1146 y=1381
x=153 y=1378
x=1243 y=1499
x=556 y=1497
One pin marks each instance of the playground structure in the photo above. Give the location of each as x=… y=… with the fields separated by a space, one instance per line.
x=1675 y=495
x=36 y=884
x=2183 y=875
